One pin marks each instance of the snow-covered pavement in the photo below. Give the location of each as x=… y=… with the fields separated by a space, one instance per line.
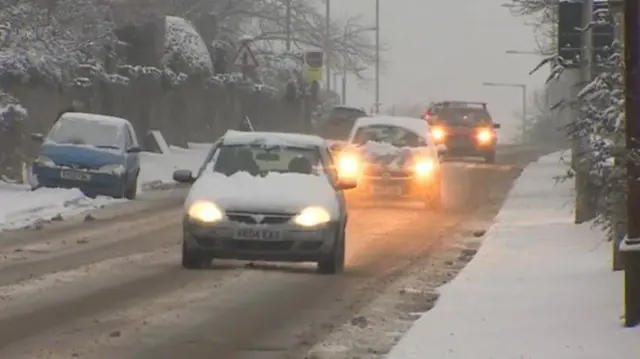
x=20 y=207
x=539 y=288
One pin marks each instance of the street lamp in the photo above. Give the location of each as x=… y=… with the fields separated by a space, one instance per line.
x=524 y=97
x=377 y=105
x=515 y=52
x=327 y=45
x=536 y=53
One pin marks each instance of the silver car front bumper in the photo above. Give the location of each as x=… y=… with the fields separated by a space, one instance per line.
x=292 y=243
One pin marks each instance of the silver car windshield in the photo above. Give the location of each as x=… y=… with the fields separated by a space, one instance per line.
x=259 y=160
x=393 y=135
x=83 y=132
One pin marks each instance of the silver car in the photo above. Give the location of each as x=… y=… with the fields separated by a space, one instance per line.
x=266 y=196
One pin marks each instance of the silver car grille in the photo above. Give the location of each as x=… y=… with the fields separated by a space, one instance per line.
x=258 y=218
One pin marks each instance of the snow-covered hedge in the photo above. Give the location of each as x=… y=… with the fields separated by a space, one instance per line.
x=45 y=40
x=185 y=51
x=10 y=110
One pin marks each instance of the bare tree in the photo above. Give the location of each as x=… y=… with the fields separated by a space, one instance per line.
x=544 y=19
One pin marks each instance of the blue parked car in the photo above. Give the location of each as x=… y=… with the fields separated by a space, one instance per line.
x=95 y=153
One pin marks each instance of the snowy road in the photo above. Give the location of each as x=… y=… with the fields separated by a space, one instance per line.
x=112 y=287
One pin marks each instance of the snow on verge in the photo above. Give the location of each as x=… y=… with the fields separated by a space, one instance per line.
x=20 y=207
x=540 y=287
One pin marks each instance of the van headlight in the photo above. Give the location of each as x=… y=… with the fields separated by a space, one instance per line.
x=312 y=216
x=44 y=161
x=115 y=169
x=424 y=168
x=348 y=166
x=205 y=212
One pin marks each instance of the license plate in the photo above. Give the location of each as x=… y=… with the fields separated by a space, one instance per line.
x=387 y=190
x=75 y=175
x=251 y=233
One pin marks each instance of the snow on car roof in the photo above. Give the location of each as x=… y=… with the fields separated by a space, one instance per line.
x=118 y=121
x=233 y=137
x=416 y=125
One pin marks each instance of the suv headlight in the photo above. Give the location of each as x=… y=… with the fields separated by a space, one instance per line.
x=112 y=169
x=438 y=133
x=205 y=212
x=312 y=216
x=484 y=136
x=44 y=161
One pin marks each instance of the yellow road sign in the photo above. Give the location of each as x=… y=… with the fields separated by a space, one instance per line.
x=313 y=73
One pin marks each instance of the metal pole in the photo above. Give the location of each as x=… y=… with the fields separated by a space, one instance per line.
x=327 y=45
x=377 y=104
x=587 y=47
x=583 y=210
x=345 y=63
x=288 y=5
x=524 y=112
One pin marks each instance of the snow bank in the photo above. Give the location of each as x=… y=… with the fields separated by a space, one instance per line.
x=282 y=192
x=183 y=43
x=20 y=208
x=540 y=287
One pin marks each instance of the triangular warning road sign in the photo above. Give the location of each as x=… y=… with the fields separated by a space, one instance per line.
x=245 y=57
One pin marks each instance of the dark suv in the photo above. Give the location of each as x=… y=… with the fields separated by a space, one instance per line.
x=466 y=129
x=338 y=122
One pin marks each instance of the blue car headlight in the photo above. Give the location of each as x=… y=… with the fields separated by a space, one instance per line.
x=44 y=161
x=112 y=169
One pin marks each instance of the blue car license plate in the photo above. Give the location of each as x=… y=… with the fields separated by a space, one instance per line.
x=75 y=175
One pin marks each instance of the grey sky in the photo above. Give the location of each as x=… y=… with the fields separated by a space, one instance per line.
x=444 y=50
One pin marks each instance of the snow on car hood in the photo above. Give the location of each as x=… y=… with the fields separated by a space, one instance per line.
x=385 y=154
x=276 y=192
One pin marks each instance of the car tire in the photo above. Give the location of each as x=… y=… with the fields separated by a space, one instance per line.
x=193 y=259
x=334 y=264
x=132 y=190
x=490 y=157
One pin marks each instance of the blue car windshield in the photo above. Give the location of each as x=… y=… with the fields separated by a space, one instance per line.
x=83 y=132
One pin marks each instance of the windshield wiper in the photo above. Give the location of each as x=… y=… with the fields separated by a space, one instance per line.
x=108 y=147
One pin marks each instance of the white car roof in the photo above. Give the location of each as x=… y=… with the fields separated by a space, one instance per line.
x=416 y=125
x=233 y=137
x=117 y=121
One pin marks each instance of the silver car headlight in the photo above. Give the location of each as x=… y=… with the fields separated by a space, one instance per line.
x=114 y=169
x=45 y=161
x=205 y=212
x=312 y=216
